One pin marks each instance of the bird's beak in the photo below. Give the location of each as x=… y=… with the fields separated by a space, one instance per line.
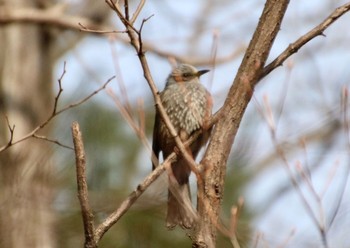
x=200 y=73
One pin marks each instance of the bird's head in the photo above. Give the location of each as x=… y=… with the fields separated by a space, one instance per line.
x=185 y=73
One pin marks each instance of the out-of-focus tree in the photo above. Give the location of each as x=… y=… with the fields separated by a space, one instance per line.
x=29 y=51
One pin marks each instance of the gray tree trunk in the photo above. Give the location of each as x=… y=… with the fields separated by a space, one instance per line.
x=26 y=178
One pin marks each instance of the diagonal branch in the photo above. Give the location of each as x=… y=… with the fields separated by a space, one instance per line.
x=316 y=31
x=54 y=113
x=130 y=200
x=40 y=137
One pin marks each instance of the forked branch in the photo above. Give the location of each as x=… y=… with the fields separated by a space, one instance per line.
x=54 y=113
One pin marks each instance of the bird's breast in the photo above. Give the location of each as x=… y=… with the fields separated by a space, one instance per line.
x=185 y=105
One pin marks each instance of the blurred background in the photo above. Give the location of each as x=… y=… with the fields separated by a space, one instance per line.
x=38 y=193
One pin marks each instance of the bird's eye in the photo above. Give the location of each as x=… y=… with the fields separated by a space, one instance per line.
x=186 y=74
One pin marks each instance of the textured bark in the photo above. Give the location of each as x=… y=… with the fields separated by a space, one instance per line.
x=26 y=171
x=210 y=193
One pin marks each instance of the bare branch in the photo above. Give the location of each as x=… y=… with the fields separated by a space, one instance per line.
x=213 y=56
x=86 y=98
x=60 y=89
x=140 y=33
x=129 y=201
x=78 y=23
x=11 y=129
x=137 y=11
x=98 y=31
x=120 y=81
x=83 y=195
x=53 y=115
x=319 y=223
x=52 y=141
x=141 y=116
x=126 y=10
x=123 y=18
x=295 y=46
x=44 y=16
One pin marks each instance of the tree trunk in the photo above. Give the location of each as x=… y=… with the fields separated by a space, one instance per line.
x=26 y=216
x=210 y=194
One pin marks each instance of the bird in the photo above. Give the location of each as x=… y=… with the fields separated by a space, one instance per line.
x=188 y=105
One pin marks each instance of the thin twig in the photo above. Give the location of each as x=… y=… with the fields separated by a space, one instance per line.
x=310 y=186
x=120 y=81
x=11 y=129
x=213 y=56
x=287 y=239
x=140 y=33
x=98 y=31
x=52 y=141
x=83 y=195
x=345 y=100
x=55 y=113
x=60 y=89
x=125 y=21
x=272 y=127
x=86 y=98
x=141 y=115
x=137 y=12
x=235 y=211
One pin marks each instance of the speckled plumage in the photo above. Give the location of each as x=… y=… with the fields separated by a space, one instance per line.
x=188 y=105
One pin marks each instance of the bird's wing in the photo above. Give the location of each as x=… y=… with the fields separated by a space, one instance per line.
x=155 y=142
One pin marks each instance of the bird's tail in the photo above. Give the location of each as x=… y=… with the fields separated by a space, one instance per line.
x=180 y=209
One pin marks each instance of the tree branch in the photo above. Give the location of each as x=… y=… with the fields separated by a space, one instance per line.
x=44 y=16
x=316 y=31
x=36 y=136
x=130 y=200
x=80 y=163
x=79 y=23
x=54 y=113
